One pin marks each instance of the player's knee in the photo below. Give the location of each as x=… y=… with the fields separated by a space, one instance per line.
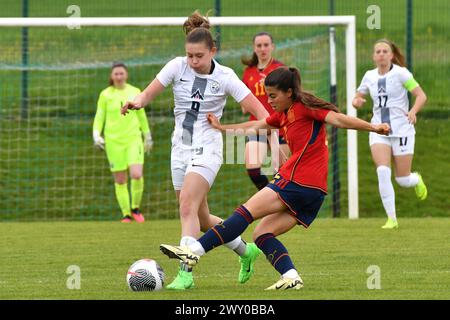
x=136 y=175
x=383 y=173
x=186 y=204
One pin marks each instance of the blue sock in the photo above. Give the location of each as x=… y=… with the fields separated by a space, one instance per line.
x=229 y=230
x=275 y=252
x=258 y=179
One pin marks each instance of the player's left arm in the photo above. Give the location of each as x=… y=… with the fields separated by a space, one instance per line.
x=419 y=102
x=341 y=120
x=409 y=83
x=242 y=94
x=252 y=105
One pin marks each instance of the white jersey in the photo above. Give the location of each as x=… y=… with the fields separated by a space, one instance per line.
x=390 y=98
x=195 y=96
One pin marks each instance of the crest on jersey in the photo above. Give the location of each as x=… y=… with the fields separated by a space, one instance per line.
x=215 y=86
x=197 y=95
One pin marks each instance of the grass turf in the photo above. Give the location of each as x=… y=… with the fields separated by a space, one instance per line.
x=332 y=256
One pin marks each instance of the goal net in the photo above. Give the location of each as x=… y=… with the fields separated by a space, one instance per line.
x=51 y=74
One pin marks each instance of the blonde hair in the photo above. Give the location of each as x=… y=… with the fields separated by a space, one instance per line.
x=398 y=58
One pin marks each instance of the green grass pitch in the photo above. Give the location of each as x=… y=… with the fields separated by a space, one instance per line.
x=332 y=256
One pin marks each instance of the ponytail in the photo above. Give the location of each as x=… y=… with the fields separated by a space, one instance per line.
x=284 y=78
x=398 y=57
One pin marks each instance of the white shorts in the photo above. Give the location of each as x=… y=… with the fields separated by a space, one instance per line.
x=400 y=145
x=205 y=161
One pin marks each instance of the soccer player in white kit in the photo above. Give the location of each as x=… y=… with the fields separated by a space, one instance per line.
x=388 y=85
x=200 y=86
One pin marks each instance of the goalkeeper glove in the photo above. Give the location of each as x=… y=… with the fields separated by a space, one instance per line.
x=99 y=142
x=148 y=142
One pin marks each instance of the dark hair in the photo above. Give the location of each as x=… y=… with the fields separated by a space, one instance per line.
x=253 y=60
x=196 y=28
x=284 y=78
x=398 y=58
x=116 y=65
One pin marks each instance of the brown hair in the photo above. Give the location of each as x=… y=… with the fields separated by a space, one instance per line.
x=284 y=78
x=398 y=58
x=116 y=65
x=196 y=28
x=253 y=60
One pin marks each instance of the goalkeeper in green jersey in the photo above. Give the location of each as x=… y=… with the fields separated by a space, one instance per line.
x=123 y=141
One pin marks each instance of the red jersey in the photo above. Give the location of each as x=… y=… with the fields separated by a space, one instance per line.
x=305 y=133
x=254 y=80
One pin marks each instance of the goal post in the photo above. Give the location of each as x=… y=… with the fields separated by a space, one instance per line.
x=350 y=58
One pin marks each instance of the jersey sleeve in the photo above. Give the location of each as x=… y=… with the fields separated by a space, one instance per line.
x=274 y=120
x=407 y=80
x=168 y=73
x=236 y=88
x=100 y=115
x=316 y=114
x=364 y=86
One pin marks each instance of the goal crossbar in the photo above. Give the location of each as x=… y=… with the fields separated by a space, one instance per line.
x=350 y=61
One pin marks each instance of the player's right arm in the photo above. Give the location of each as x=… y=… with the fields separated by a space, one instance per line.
x=359 y=100
x=363 y=89
x=163 y=79
x=145 y=97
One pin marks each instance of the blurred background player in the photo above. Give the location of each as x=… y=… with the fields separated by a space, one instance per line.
x=200 y=85
x=388 y=85
x=298 y=191
x=259 y=65
x=123 y=141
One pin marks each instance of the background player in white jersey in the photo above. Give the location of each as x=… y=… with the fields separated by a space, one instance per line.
x=200 y=86
x=388 y=85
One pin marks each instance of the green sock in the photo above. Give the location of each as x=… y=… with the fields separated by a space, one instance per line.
x=137 y=188
x=123 y=198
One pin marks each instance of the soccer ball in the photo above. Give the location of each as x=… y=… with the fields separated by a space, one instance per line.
x=145 y=275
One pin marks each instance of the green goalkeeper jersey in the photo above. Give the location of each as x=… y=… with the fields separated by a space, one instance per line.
x=118 y=128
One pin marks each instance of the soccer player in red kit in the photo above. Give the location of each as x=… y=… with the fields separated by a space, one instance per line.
x=259 y=65
x=298 y=191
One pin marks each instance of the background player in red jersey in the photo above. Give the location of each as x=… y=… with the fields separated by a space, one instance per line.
x=259 y=65
x=298 y=191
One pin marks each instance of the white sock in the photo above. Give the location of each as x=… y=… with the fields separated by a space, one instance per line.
x=409 y=181
x=291 y=274
x=184 y=242
x=387 y=192
x=238 y=245
x=197 y=248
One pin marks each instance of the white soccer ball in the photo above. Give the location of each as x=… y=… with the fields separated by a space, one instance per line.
x=145 y=275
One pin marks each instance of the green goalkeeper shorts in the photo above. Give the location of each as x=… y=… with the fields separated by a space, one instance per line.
x=121 y=156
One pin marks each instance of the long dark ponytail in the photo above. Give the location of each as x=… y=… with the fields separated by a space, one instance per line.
x=284 y=78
